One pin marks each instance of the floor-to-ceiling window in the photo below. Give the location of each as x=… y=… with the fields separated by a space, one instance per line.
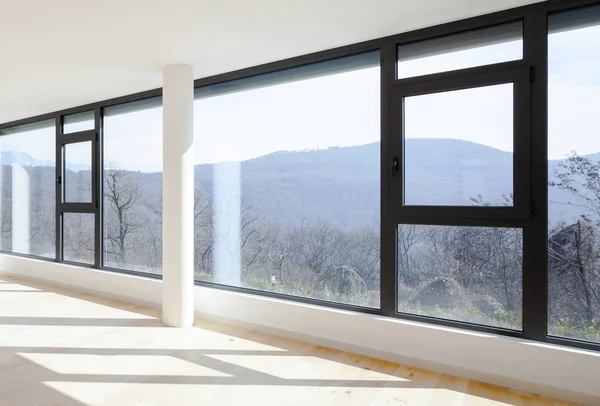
x=287 y=182
x=27 y=176
x=132 y=190
x=574 y=174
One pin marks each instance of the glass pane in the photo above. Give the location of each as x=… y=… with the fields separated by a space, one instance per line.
x=458 y=147
x=287 y=183
x=573 y=174
x=78 y=172
x=466 y=50
x=27 y=189
x=469 y=274
x=133 y=186
x=78 y=237
x=78 y=122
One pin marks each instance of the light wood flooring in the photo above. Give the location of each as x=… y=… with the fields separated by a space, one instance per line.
x=63 y=348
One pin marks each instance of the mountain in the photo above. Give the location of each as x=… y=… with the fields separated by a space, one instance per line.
x=341 y=185
x=23 y=159
x=451 y=172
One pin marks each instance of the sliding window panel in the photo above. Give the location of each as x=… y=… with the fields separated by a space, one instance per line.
x=574 y=174
x=461 y=146
x=288 y=182
x=27 y=184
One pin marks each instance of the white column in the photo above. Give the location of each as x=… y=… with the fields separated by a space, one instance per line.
x=178 y=196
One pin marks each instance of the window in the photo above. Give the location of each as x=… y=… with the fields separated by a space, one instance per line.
x=78 y=172
x=458 y=147
x=78 y=122
x=132 y=202
x=573 y=174
x=469 y=274
x=287 y=182
x=78 y=237
x=27 y=185
x=466 y=50
x=460 y=178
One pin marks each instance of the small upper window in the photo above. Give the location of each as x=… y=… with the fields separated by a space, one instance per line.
x=469 y=49
x=78 y=122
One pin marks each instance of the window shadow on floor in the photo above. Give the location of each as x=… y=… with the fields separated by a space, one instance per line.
x=28 y=379
x=31 y=387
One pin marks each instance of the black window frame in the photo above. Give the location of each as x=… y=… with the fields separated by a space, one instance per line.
x=535 y=227
x=62 y=206
x=515 y=73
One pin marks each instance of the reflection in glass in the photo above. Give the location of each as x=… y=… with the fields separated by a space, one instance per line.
x=27 y=189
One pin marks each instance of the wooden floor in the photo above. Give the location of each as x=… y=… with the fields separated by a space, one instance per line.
x=63 y=348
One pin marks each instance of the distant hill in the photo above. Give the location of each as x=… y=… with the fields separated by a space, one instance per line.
x=341 y=185
x=21 y=158
x=451 y=172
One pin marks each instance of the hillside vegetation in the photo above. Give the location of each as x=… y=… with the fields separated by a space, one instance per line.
x=307 y=223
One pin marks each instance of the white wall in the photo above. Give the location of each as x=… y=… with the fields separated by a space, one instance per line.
x=550 y=370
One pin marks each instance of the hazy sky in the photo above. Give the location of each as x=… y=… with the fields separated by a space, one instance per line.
x=343 y=110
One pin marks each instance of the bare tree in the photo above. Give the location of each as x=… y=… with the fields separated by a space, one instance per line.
x=408 y=238
x=362 y=252
x=280 y=252
x=574 y=249
x=122 y=193
x=574 y=266
x=580 y=176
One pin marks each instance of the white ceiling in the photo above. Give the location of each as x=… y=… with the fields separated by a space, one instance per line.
x=64 y=53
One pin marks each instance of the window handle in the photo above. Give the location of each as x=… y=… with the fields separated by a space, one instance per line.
x=395 y=163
